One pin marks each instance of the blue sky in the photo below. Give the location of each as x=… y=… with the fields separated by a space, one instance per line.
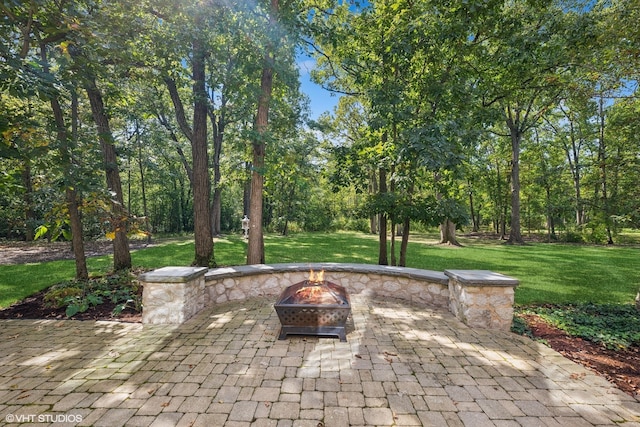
x=321 y=100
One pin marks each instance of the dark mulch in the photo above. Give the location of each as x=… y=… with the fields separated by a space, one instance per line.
x=621 y=367
x=33 y=307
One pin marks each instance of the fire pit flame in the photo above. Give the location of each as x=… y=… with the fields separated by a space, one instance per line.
x=316 y=277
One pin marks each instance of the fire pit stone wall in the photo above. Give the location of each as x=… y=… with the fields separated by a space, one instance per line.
x=419 y=286
x=481 y=299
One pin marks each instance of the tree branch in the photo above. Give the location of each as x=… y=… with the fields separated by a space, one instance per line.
x=179 y=108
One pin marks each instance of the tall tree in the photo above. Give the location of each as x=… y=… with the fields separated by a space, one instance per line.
x=407 y=62
x=525 y=58
x=119 y=216
x=97 y=59
x=199 y=150
x=255 y=250
x=36 y=27
x=71 y=193
x=191 y=28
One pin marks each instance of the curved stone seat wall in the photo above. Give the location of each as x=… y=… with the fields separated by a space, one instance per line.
x=419 y=286
x=479 y=298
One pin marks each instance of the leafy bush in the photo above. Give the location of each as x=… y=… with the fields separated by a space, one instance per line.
x=616 y=326
x=57 y=296
x=360 y=225
x=120 y=289
x=573 y=237
x=519 y=326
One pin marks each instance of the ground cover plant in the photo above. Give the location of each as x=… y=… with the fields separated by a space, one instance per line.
x=614 y=326
x=121 y=289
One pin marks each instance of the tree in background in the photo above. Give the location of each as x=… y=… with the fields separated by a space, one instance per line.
x=191 y=29
x=28 y=56
x=277 y=44
x=526 y=58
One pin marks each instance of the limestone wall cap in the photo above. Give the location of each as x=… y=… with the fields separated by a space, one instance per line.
x=481 y=278
x=245 y=270
x=172 y=274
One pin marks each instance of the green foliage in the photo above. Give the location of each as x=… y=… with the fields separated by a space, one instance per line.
x=572 y=237
x=596 y=232
x=350 y=223
x=54 y=231
x=520 y=327
x=120 y=289
x=58 y=295
x=615 y=326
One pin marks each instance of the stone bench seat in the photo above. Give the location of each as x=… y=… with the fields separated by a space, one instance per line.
x=479 y=298
x=249 y=270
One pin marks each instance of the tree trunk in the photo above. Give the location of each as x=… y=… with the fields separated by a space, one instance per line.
x=373 y=189
x=145 y=210
x=405 y=243
x=474 y=217
x=29 y=214
x=393 y=242
x=573 y=156
x=602 y=160
x=255 y=251
x=121 y=254
x=218 y=124
x=204 y=256
x=515 y=235
x=448 y=233
x=383 y=258
x=71 y=199
x=246 y=191
x=71 y=195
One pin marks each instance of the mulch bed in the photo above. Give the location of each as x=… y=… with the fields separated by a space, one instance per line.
x=33 y=307
x=621 y=367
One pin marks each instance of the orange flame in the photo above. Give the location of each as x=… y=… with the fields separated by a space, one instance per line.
x=316 y=277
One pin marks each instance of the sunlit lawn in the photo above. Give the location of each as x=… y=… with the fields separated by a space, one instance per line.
x=548 y=273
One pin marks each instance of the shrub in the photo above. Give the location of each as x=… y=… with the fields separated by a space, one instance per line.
x=572 y=237
x=58 y=295
x=120 y=289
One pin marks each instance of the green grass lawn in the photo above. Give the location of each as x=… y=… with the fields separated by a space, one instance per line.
x=548 y=273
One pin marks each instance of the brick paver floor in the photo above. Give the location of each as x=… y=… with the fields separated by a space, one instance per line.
x=403 y=365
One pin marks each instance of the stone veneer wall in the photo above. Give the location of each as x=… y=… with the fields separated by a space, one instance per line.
x=171 y=295
x=419 y=286
x=482 y=299
x=479 y=298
